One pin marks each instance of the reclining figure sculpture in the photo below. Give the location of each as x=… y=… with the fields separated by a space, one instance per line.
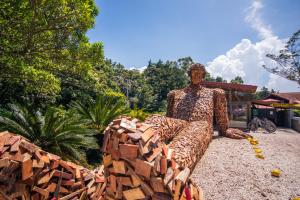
x=188 y=124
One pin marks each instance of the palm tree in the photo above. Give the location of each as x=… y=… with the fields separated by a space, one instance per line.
x=100 y=113
x=57 y=131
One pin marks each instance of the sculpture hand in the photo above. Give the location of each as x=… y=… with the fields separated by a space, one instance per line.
x=236 y=134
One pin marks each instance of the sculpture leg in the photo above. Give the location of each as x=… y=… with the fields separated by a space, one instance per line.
x=167 y=127
x=190 y=144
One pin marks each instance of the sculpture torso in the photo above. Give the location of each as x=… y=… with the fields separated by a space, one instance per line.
x=189 y=122
x=197 y=103
x=193 y=104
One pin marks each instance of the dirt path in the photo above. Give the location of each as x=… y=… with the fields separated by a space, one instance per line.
x=230 y=170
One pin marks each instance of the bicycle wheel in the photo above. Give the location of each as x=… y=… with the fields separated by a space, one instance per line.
x=270 y=127
x=252 y=126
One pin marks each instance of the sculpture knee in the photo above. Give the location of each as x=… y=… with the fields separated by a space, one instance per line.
x=191 y=143
x=167 y=127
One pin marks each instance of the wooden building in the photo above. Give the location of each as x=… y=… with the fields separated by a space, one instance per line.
x=239 y=97
x=277 y=107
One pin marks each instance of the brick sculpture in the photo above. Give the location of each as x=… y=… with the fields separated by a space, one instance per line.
x=188 y=125
x=153 y=159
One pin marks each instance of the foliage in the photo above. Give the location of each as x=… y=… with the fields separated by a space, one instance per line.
x=296 y=113
x=147 y=89
x=57 y=131
x=185 y=63
x=138 y=113
x=164 y=77
x=288 y=60
x=220 y=79
x=133 y=85
x=263 y=93
x=99 y=113
x=208 y=77
x=44 y=53
x=238 y=80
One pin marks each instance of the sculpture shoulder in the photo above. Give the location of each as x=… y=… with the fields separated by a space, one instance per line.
x=218 y=92
x=172 y=93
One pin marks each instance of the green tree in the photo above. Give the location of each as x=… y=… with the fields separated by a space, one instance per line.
x=57 y=131
x=264 y=92
x=208 y=77
x=133 y=85
x=44 y=53
x=164 y=77
x=238 y=80
x=288 y=60
x=220 y=79
x=185 y=63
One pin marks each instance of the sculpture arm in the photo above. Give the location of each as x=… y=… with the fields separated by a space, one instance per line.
x=170 y=103
x=220 y=110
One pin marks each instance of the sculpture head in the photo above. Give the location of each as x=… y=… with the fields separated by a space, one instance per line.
x=196 y=73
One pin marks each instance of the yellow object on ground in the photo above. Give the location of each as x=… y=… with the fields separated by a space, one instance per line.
x=260 y=156
x=258 y=150
x=254 y=142
x=296 y=198
x=276 y=172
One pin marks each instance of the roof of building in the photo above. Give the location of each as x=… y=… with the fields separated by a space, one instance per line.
x=275 y=103
x=266 y=103
x=291 y=97
x=230 y=86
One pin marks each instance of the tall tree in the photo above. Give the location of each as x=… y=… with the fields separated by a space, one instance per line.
x=288 y=60
x=44 y=50
x=132 y=84
x=185 y=63
x=208 y=77
x=220 y=79
x=264 y=92
x=164 y=77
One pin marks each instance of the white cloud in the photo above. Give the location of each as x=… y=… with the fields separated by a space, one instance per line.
x=141 y=69
x=254 y=19
x=246 y=58
x=282 y=84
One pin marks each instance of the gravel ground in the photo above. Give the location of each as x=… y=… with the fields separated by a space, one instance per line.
x=230 y=170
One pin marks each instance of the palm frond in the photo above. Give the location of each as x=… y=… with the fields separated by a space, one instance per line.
x=59 y=132
x=101 y=112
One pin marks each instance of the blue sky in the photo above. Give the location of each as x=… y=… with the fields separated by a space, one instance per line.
x=135 y=31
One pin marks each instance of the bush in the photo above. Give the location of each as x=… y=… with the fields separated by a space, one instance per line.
x=297 y=113
x=139 y=114
x=57 y=131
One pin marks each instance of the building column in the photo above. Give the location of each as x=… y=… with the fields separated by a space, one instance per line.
x=230 y=104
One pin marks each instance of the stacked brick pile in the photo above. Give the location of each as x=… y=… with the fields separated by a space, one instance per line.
x=138 y=165
x=29 y=173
